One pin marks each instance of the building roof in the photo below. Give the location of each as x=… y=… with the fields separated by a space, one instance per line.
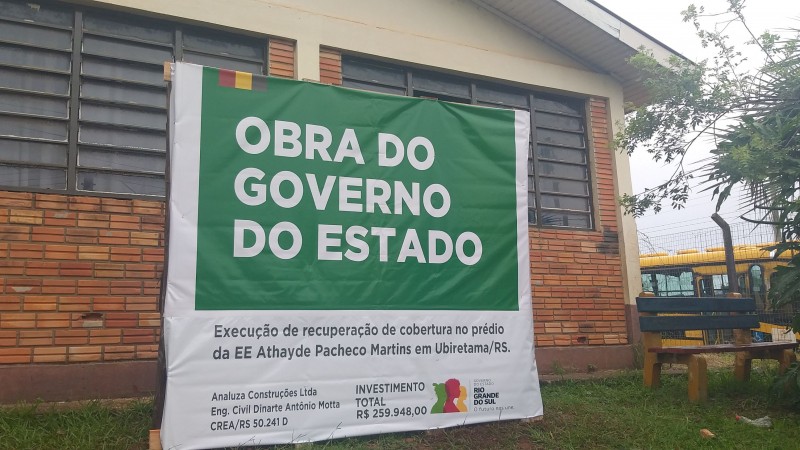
x=588 y=32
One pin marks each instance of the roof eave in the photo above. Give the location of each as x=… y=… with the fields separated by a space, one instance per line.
x=610 y=43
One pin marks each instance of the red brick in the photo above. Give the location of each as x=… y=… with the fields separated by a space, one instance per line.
x=119 y=352
x=109 y=273
x=12 y=267
x=93 y=223
x=141 y=304
x=149 y=319
x=119 y=209
x=10 y=320
x=144 y=207
x=18 y=199
x=15 y=355
x=8 y=338
x=81 y=238
x=25 y=251
x=109 y=303
x=24 y=216
x=84 y=354
x=53 y=320
x=71 y=337
x=49 y=354
x=147 y=351
x=121 y=320
x=51 y=198
x=93 y=286
x=35 y=338
x=76 y=269
x=125 y=258
x=10 y=303
x=104 y=340
x=62 y=252
x=83 y=349
x=41 y=269
x=40 y=303
x=74 y=303
x=60 y=218
x=126 y=287
x=138 y=337
x=59 y=286
x=14 y=233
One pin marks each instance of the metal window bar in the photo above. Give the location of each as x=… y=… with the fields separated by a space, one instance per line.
x=109 y=138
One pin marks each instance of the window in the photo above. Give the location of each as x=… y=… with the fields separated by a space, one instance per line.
x=715 y=285
x=669 y=283
x=83 y=99
x=559 y=192
x=757 y=286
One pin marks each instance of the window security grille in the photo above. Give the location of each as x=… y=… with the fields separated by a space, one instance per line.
x=83 y=99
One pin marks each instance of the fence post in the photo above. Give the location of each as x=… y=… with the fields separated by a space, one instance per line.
x=733 y=280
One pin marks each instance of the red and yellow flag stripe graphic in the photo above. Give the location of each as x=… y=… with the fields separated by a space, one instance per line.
x=242 y=80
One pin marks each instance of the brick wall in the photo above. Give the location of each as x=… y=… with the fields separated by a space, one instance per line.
x=578 y=295
x=79 y=277
x=576 y=276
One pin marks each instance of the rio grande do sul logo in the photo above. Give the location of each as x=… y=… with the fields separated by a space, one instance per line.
x=450 y=397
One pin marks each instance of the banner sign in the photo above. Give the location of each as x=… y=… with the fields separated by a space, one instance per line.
x=341 y=263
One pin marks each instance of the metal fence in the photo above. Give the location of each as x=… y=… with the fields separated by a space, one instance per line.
x=743 y=234
x=693 y=264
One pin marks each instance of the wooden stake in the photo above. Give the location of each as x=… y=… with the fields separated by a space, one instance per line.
x=161 y=367
x=155 y=440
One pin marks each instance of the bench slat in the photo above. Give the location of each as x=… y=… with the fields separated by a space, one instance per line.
x=694 y=304
x=677 y=323
x=723 y=348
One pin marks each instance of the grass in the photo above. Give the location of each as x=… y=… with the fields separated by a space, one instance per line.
x=620 y=413
x=612 y=413
x=90 y=425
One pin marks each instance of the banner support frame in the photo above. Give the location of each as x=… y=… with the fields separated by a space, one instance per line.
x=161 y=365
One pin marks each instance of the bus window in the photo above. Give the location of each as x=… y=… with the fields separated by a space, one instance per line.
x=706 y=287
x=757 y=287
x=755 y=266
x=647 y=283
x=669 y=283
x=721 y=287
x=714 y=286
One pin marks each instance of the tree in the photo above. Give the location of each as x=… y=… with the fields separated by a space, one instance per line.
x=751 y=116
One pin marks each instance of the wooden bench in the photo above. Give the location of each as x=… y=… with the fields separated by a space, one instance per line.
x=687 y=313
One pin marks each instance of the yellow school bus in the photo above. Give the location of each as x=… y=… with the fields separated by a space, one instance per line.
x=703 y=273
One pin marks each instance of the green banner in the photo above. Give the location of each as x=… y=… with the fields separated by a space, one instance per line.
x=379 y=203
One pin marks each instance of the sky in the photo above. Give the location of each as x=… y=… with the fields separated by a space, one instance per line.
x=662 y=20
